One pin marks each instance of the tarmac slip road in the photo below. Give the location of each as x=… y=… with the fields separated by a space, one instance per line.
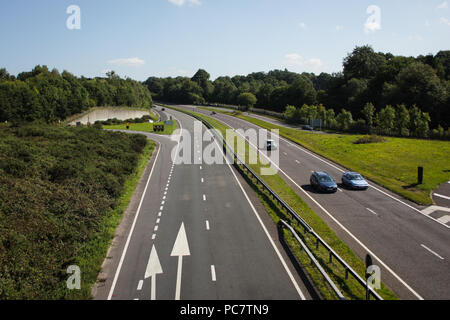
x=195 y=236
x=411 y=249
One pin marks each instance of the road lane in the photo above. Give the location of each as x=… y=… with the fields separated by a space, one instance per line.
x=246 y=266
x=395 y=234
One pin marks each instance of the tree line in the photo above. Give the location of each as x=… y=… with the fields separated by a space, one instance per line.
x=47 y=95
x=368 y=77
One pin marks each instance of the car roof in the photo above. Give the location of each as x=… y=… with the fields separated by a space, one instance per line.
x=320 y=173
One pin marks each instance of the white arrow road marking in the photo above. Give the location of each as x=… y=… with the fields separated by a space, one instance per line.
x=180 y=249
x=153 y=268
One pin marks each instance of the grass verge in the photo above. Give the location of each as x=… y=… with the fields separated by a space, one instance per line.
x=92 y=255
x=145 y=127
x=349 y=287
x=392 y=164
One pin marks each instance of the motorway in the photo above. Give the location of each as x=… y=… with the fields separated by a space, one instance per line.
x=411 y=248
x=194 y=232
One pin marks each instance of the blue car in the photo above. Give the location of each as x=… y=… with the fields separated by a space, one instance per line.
x=322 y=181
x=354 y=180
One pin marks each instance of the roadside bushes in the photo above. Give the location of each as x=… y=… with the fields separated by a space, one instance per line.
x=57 y=186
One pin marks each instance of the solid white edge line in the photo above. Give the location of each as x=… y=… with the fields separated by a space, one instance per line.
x=294 y=282
x=342 y=226
x=132 y=229
x=428 y=249
x=370 y=210
x=343 y=171
x=204 y=197
x=134 y=221
x=207 y=225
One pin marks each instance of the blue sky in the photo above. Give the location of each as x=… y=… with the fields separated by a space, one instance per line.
x=142 y=38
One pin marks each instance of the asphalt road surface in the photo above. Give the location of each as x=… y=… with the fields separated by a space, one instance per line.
x=195 y=235
x=411 y=248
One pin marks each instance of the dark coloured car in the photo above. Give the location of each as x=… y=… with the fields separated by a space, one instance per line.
x=308 y=128
x=354 y=180
x=163 y=109
x=321 y=181
x=213 y=113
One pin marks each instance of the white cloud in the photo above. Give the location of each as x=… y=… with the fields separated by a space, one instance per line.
x=182 y=2
x=127 y=62
x=339 y=28
x=443 y=5
x=296 y=60
x=302 y=25
x=293 y=59
x=445 y=21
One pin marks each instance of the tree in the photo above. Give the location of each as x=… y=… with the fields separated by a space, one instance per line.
x=402 y=120
x=368 y=113
x=386 y=118
x=292 y=115
x=363 y=63
x=247 y=99
x=344 y=119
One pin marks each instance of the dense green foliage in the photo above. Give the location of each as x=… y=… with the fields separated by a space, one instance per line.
x=50 y=96
x=380 y=79
x=57 y=187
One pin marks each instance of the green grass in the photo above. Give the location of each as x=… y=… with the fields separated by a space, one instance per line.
x=392 y=164
x=62 y=191
x=93 y=254
x=144 y=127
x=350 y=288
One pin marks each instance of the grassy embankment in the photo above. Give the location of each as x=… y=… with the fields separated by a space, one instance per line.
x=145 y=127
x=349 y=287
x=392 y=164
x=63 y=192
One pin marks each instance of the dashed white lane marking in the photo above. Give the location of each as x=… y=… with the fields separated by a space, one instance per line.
x=164 y=198
x=203 y=180
x=297 y=161
x=428 y=249
x=285 y=153
x=340 y=190
x=140 y=284
x=158 y=220
x=441 y=196
x=201 y=168
x=136 y=299
x=163 y=202
x=340 y=224
x=204 y=197
x=207 y=225
x=159 y=214
x=156 y=228
x=161 y=208
x=213 y=273
x=124 y=252
x=370 y=210
x=153 y=236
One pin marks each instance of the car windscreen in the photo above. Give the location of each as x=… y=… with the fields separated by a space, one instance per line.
x=356 y=177
x=325 y=179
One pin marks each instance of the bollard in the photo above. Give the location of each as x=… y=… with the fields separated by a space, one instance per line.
x=420 y=175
